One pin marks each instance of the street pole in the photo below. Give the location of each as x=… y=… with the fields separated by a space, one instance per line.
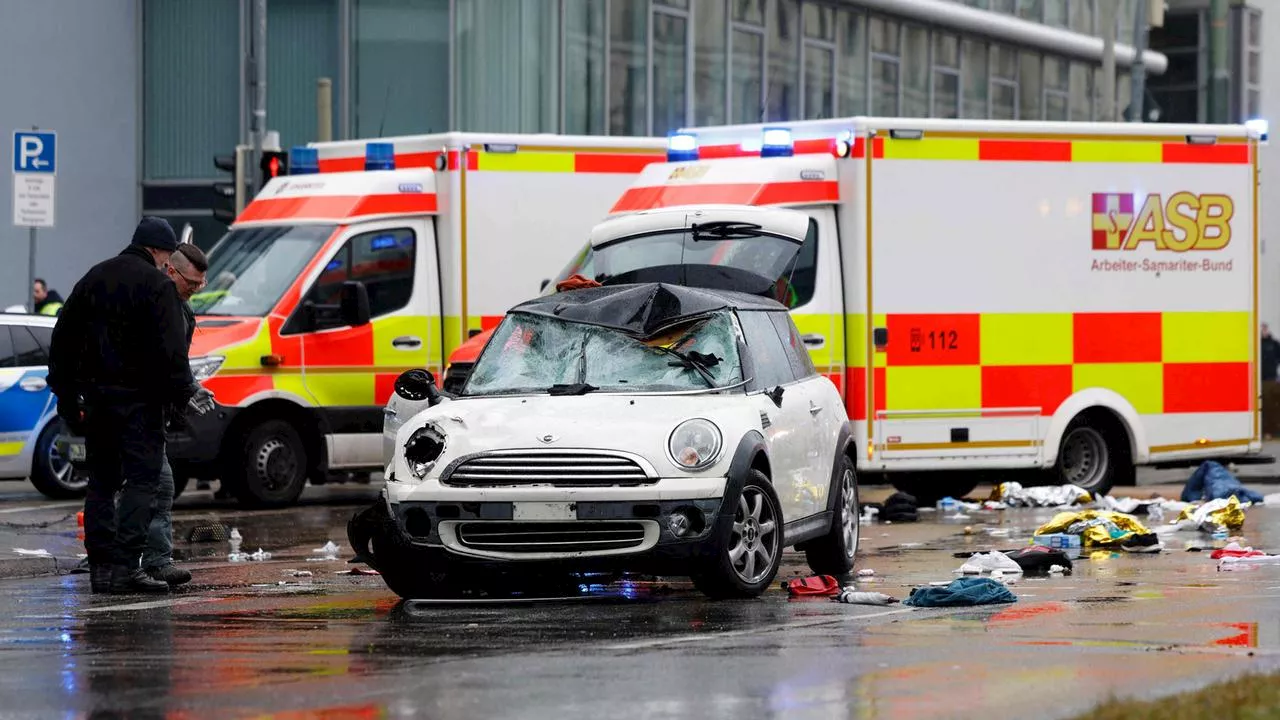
x=1108 y=20
x=31 y=259
x=1138 y=72
x=1220 y=75
x=324 y=110
x=259 y=125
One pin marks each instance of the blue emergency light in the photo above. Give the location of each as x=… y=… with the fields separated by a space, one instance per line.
x=776 y=142
x=303 y=160
x=380 y=156
x=681 y=147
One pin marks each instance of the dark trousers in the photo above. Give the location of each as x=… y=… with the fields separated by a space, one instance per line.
x=124 y=442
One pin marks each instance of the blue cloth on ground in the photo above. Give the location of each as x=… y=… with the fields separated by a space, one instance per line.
x=961 y=592
x=1212 y=481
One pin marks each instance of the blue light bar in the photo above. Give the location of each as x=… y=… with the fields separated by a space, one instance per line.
x=380 y=156
x=776 y=142
x=681 y=147
x=303 y=160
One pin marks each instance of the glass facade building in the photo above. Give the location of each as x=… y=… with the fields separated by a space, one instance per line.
x=618 y=67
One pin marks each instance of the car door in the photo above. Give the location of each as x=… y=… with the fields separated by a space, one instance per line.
x=825 y=409
x=24 y=397
x=784 y=420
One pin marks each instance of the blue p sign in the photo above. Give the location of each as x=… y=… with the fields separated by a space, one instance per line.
x=34 y=152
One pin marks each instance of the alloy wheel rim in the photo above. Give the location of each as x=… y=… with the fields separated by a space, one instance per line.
x=849 y=521
x=753 y=545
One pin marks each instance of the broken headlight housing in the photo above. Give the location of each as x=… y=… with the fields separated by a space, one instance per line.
x=422 y=449
x=695 y=444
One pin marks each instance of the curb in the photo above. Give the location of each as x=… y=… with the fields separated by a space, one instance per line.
x=29 y=567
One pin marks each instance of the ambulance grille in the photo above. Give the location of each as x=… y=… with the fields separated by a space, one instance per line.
x=575 y=469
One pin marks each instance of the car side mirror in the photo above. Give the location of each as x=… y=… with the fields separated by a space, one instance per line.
x=545 y=283
x=418 y=385
x=354 y=303
x=775 y=395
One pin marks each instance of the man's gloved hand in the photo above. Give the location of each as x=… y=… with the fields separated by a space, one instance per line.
x=201 y=402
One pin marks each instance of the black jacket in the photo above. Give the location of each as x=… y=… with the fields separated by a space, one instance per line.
x=122 y=333
x=1270 y=358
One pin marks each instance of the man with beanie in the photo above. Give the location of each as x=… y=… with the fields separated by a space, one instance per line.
x=118 y=359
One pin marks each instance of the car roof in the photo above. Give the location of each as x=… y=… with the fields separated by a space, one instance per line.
x=642 y=309
x=28 y=319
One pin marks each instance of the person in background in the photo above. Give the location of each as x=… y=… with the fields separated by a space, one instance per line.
x=47 y=302
x=186 y=269
x=1270 y=354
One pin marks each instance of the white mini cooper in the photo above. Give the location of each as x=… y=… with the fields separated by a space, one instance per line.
x=636 y=425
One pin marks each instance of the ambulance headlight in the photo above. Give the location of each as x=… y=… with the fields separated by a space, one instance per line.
x=681 y=147
x=423 y=448
x=695 y=444
x=776 y=142
x=203 y=368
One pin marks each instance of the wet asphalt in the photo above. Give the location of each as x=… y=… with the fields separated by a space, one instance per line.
x=260 y=639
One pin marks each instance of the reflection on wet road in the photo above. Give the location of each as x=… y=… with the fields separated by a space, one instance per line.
x=255 y=638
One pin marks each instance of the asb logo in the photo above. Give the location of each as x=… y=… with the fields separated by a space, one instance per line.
x=1185 y=221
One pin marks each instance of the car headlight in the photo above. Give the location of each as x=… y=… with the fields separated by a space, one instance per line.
x=203 y=368
x=423 y=448
x=695 y=444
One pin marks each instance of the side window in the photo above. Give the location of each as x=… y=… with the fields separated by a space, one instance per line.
x=7 y=359
x=770 y=366
x=803 y=272
x=797 y=353
x=383 y=260
x=27 y=352
x=44 y=336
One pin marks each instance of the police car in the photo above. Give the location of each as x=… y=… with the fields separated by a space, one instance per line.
x=29 y=426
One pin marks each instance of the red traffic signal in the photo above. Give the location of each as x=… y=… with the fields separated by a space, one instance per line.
x=274 y=164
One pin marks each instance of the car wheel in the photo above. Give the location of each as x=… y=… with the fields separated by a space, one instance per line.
x=1087 y=458
x=272 y=468
x=51 y=473
x=833 y=554
x=749 y=550
x=402 y=569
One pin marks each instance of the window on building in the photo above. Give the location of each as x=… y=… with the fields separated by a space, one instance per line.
x=746 y=75
x=976 y=78
x=1253 y=65
x=628 y=71
x=886 y=43
x=190 y=86
x=819 y=49
x=302 y=46
x=1032 y=10
x=946 y=76
x=1008 y=7
x=751 y=12
x=584 y=67
x=1081 y=101
x=1125 y=17
x=915 y=72
x=670 y=61
x=1181 y=91
x=1124 y=93
x=852 y=75
x=1030 y=86
x=388 y=38
x=1056 y=13
x=1004 y=83
x=1082 y=17
x=783 y=94
x=1057 y=86
x=710 y=67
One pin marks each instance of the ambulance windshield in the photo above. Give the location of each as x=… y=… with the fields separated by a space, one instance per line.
x=719 y=256
x=250 y=268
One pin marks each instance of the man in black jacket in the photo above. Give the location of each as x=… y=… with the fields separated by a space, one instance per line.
x=118 y=359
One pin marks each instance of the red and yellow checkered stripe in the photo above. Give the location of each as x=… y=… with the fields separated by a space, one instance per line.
x=1172 y=362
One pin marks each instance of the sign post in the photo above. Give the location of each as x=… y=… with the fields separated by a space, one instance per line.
x=34 y=175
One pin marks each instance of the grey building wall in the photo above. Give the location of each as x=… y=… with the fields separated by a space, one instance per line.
x=71 y=66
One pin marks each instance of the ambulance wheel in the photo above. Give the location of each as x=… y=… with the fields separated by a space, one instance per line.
x=1093 y=455
x=51 y=473
x=930 y=487
x=273 y=466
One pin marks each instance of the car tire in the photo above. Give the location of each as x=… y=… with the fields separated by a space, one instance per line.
x=751 y=536
x=272 y=467
x=53 y=475
x=1089 y=456
x=402 y=568
x=834 y=553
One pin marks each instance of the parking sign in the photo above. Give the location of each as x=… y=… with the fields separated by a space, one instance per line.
x=35 y=163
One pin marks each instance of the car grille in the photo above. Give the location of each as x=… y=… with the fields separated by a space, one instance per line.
x=551 y=537
x=547 y=468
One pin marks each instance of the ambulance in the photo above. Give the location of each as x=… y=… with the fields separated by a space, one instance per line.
x=1068 y=299
x=368 y=259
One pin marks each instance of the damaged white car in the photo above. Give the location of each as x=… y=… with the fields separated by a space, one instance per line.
x=633 y=427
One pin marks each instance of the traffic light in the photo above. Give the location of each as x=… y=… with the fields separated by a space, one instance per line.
x=228 y=194
x=274 y=164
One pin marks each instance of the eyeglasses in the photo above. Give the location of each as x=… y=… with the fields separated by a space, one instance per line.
x=196 y=284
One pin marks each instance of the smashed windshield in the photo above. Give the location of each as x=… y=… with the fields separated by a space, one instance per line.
x=250 y=268
x=538 y=354
x=723 y=256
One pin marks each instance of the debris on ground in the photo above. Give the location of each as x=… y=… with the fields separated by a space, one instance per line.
x=258 y=556
x=1235 y=550
x=298 y=573
x=1040 y=560
x=1013 y=494
x=961 y=592
x=1215 y=516
x=1101 y=529
x=990 y=562
x=33 y=553
x=819 y=585
x=1212 y=481
x=900 y=507
x=866 y=572
x=854 y=597
x=327 y=553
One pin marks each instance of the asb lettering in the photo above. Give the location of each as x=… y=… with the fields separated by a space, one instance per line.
x=1185 y=221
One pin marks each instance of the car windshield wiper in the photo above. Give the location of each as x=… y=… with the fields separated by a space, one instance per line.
x=725 y=230
x=693 y=361
x=580 y=388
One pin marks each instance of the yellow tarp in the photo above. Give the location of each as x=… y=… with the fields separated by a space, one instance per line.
x=1107 y=528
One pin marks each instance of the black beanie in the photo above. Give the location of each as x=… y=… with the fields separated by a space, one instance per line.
x=154 y=232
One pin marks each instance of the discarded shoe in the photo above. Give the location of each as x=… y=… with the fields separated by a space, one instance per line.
x=171 y=574
x=129 y=580
x=100 y=578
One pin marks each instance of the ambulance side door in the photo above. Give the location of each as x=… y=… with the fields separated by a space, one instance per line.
x=349 y=370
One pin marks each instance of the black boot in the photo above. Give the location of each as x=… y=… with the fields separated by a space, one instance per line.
x=170 y=574
x=100 y=578
x=127 y=580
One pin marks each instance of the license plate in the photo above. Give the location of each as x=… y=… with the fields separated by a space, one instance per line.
x=76 y=450
x=544 y=511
